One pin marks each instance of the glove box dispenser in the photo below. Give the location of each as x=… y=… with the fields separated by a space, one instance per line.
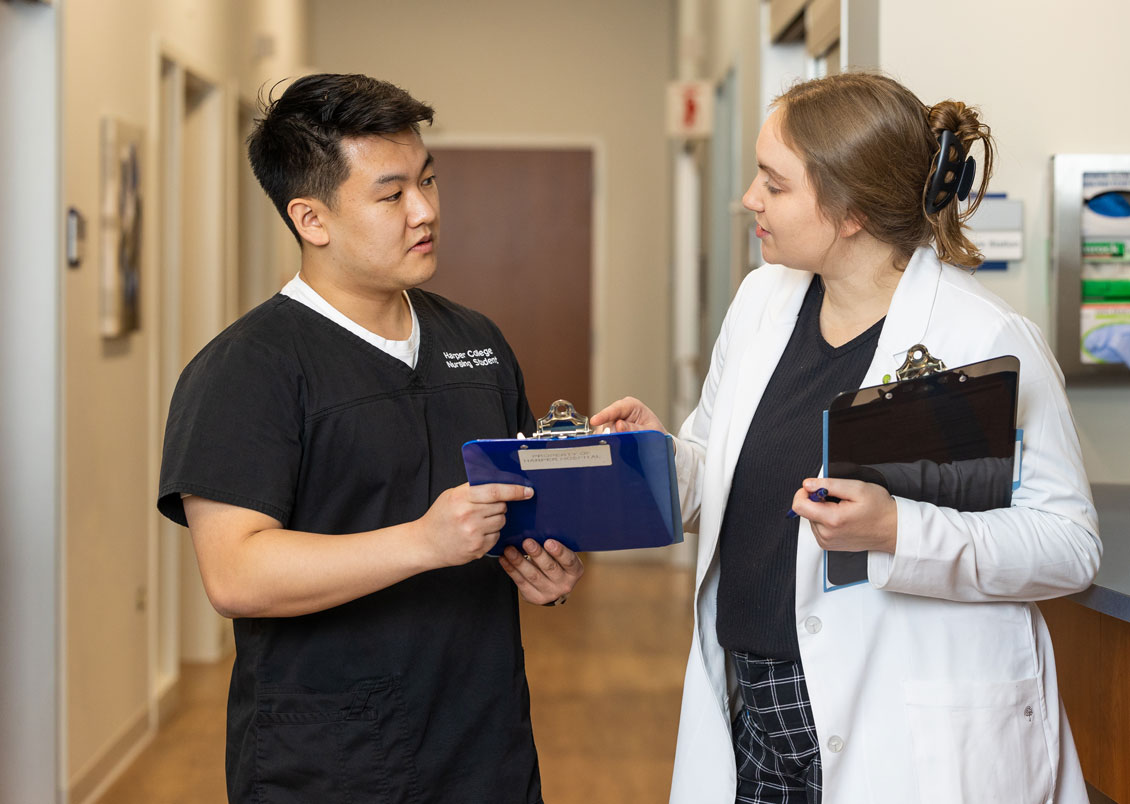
x=1090 y=269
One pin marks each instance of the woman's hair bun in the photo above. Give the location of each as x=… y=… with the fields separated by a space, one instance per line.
x=948 y=223
x=955 y=116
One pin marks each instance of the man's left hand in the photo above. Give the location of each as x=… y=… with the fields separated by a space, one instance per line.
x=544 y=574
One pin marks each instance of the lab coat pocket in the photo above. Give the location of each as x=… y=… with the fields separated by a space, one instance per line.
x=348 y=746
x=976 y=742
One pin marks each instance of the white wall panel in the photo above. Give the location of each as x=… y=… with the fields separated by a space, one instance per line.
x=29 y=403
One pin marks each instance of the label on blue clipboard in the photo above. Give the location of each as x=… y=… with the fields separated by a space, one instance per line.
x=564 y=458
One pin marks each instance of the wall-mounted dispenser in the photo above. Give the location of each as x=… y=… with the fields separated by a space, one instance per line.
x=1090 y=265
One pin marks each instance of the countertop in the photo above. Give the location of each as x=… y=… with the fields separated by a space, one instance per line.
x=1110 y=593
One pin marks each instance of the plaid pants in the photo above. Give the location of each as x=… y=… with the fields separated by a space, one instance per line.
x=775 y=742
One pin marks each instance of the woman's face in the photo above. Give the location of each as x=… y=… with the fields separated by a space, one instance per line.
x=792 y=230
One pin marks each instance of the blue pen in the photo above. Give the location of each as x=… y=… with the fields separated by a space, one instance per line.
x=820 y=495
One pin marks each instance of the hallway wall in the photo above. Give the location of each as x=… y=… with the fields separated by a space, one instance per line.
x=111 y=405
x=1047 y=82
x=535 y=71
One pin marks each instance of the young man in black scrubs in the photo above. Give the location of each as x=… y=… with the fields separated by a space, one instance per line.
x=313 y=450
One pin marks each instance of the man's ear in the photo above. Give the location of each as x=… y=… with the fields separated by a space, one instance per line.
x=307 y=216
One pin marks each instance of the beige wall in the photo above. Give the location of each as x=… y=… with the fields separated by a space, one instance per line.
x=111 y=404
x=106 y=404
x=531 y=70
x=1048 y=81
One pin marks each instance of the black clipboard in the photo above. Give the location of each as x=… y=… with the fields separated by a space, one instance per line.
x=948 y=438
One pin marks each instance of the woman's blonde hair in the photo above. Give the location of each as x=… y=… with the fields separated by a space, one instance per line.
x=870 y=148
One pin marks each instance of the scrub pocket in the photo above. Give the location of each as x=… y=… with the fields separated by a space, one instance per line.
x=348 y=747
x=977 y=742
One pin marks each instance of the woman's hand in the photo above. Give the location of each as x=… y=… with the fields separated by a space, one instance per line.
x=865 y=518
x=626 y=414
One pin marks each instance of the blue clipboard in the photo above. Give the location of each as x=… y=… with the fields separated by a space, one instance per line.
x=615 y=491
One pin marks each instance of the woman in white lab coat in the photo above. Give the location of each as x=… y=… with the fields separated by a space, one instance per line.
x=934 y=682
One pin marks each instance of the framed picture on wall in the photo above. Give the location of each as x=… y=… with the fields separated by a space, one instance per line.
x=121 y=227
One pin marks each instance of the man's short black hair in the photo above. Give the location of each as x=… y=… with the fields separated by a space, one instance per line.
x=295 y=147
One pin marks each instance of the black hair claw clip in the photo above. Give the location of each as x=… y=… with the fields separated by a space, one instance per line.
x=952 y=176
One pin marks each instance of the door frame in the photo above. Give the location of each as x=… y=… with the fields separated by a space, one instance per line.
x=174 y=73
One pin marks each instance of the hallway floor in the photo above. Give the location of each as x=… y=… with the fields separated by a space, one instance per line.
x=605 y=673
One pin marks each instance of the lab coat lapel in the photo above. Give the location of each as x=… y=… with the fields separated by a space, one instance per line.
x=910 y=317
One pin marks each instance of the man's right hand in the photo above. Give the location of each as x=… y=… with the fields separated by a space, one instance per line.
x=464 y=522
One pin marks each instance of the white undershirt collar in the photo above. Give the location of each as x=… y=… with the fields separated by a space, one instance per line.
x=407 y=351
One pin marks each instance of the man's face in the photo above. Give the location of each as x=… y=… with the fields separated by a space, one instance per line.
x=384 y=224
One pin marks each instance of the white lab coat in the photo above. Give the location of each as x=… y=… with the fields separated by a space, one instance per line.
x=935 y=682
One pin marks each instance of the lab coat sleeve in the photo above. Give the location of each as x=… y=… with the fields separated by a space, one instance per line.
x=690 y=444
x=1045 y=545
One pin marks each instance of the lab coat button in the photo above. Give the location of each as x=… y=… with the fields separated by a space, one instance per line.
x=813 y=625
x=835 y=743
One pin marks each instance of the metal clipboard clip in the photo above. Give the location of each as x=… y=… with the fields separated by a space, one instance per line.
x=562 y=421
x=919 y=362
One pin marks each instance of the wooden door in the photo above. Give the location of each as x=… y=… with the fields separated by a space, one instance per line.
x=516 y=244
